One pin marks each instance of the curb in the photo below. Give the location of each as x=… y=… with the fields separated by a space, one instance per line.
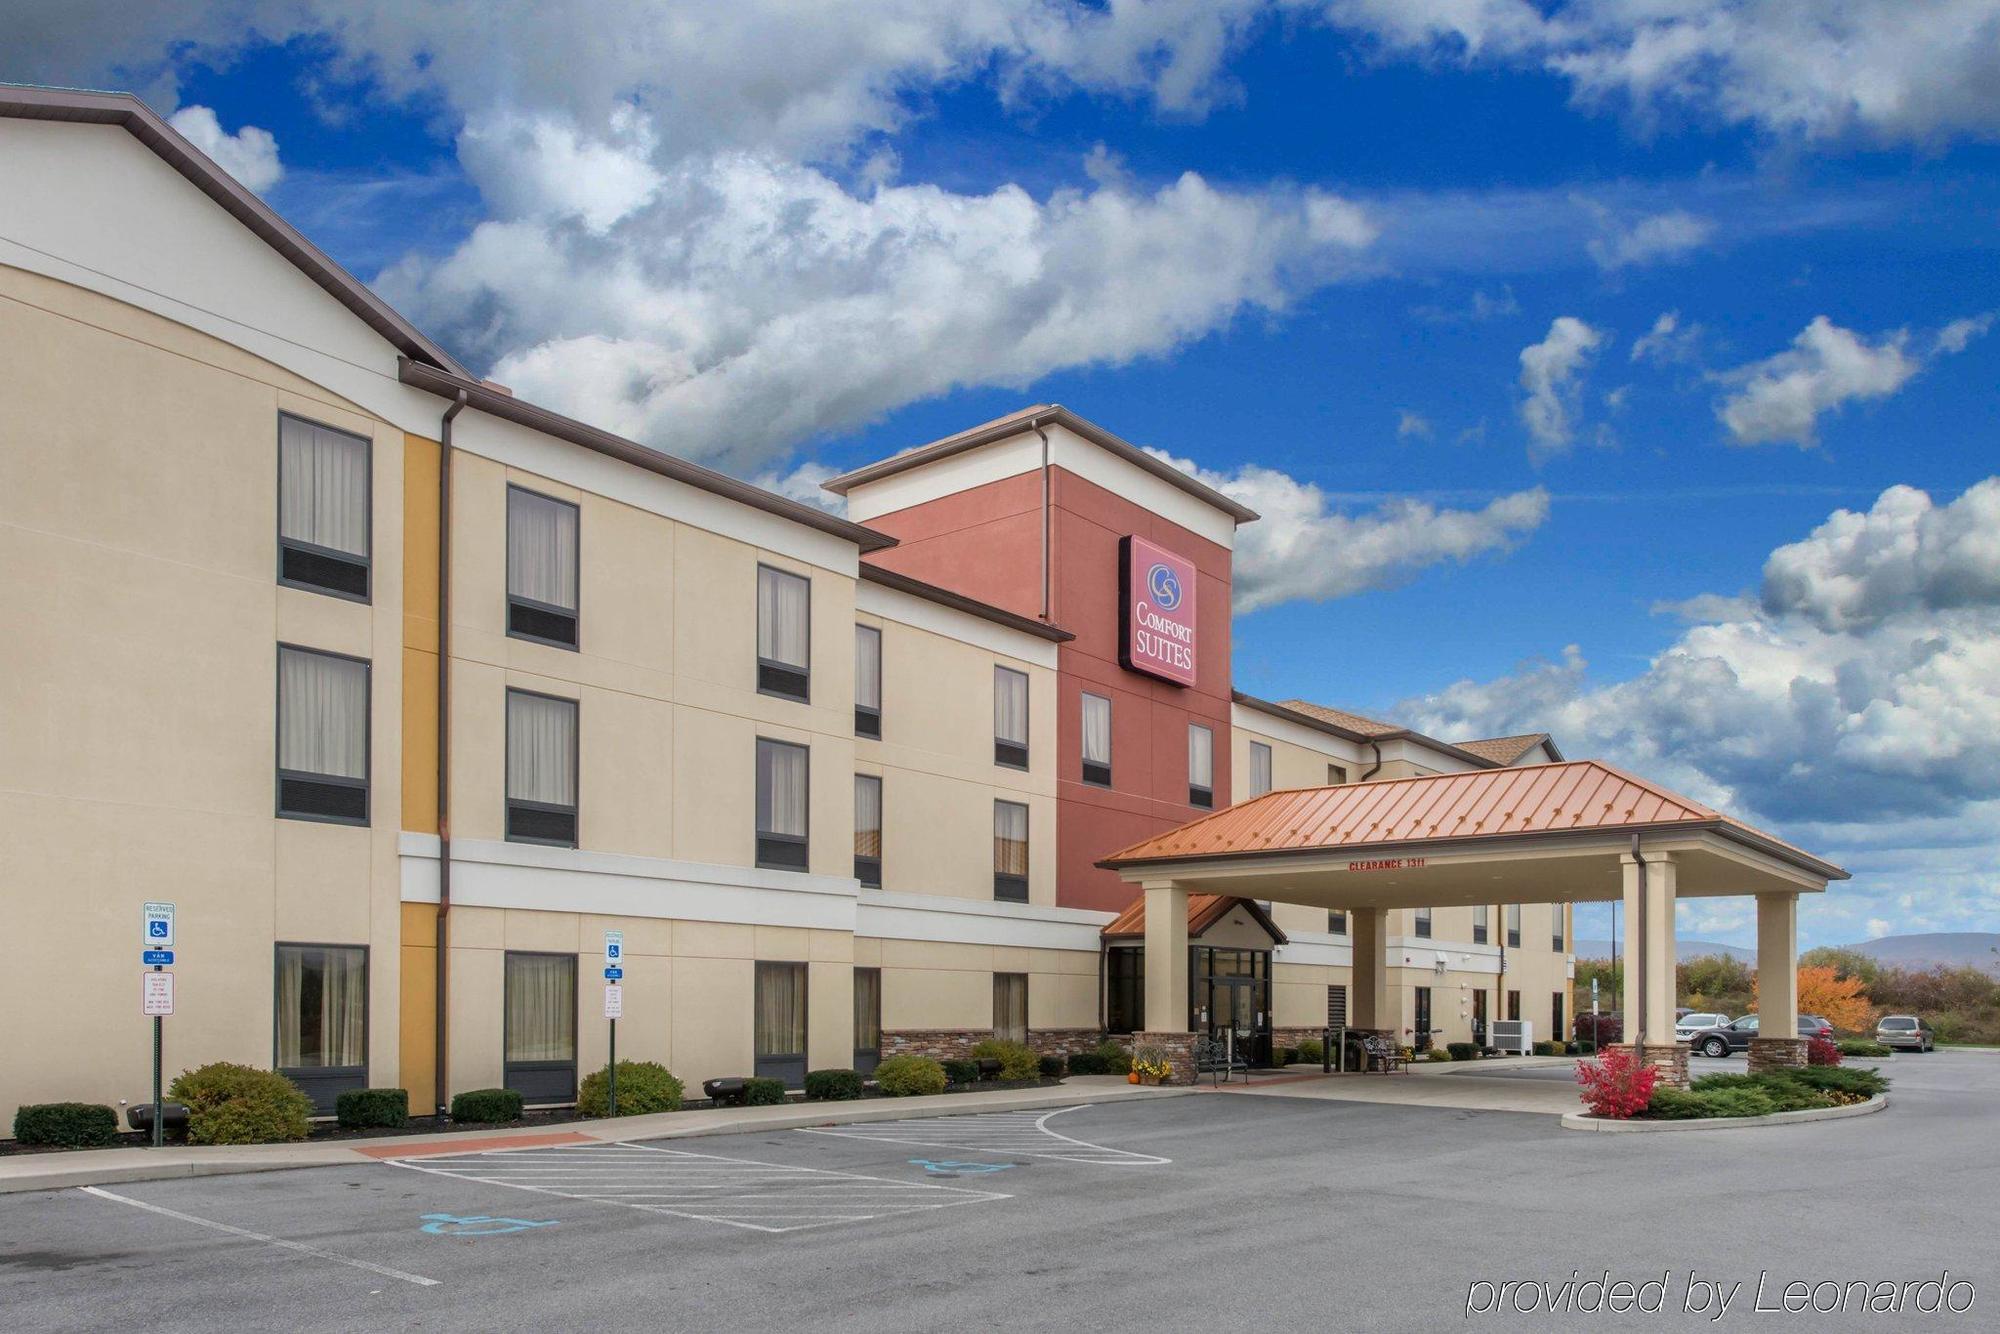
x=1582 y=1121
x=66 y=1170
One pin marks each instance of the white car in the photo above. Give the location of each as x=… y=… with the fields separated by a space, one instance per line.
x=1688 y=1025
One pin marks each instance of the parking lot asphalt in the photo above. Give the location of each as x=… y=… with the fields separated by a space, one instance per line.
x=1178 y=1213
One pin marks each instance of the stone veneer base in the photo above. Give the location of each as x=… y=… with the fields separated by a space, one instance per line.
x=1669 y=1058
x=1777 y=1054
x=956 y=1044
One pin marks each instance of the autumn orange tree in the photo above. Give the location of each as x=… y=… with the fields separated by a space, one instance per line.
x=1838 y=1000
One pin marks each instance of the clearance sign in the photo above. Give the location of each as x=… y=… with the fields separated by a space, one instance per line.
x=1156 y=611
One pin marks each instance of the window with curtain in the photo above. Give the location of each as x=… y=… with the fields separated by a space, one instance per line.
x=1336 y=921
x=782 y=788
x=1423 y=920
x=1096 y=740
x=1201 y=766
x=1336 y=774
x=322 y=736
x=541 y=769
x=780 y=1022
x=1556 y=927
x=322 y=1007
x=323 y=522
x=868 y=830
x=541 y=568
x=1010 y=851
x=784 y=634
x=1010 y=717
x=867 y=681
x=1260 y=768
x=1514 y=932
x=1010 y=1007
x=540 y=1024
x=867 y=1019
x=1479 y=915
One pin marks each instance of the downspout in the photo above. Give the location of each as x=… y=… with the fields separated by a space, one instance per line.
x=1036 y=425
x=1637 y=929
x=1374 y=768
x=442 y=979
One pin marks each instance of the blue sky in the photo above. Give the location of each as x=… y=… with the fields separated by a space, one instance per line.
x=1514 y=330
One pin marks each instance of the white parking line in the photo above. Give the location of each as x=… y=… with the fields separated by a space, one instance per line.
x=1005 y=1134
x=267 y=1240
x=763 y=1197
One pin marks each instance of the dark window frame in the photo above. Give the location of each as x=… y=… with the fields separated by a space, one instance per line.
x=1199 y=794
x=283 y=775
x=1336 y=775
x=867 y=1058
x=1557 y=936
x=1094 y=773
x=1014 y=888
x=1480 y=928
x=1420 y=923
x=339 y=1079
x=537 y=608
x=868 y=717
x=313 y=549
x=507 y=1067
x=868 y=870
x=1013 y=754
x=1270 y=767
x=1336 y=928
x=510 y=803
x=1512 y=915
x=782 y=852
x=781 y=1065
x=997 y=1031
x=775 y=678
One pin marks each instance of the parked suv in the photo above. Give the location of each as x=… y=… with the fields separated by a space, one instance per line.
x=1726 y=1038
x=1907 y=1032
x=1692 y=1023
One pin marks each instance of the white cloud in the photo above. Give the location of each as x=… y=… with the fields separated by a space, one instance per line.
x=1651 y=239
x=1303 y=549
x=1550 y=373
x=805 y=483
x=250 y=154
x=1958 y=335
x=1413 y=426
x=1782 y=397
x=1667 y=341
x=1879 y=927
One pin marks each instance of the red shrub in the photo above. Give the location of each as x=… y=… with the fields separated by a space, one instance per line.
x=1616 y=1085
x=1822 y=1050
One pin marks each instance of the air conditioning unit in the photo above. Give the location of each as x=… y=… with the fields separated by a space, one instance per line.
x=1439 y=967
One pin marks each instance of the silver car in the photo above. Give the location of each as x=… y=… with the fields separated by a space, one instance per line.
x=1907 y=1032
x=1688 y=1025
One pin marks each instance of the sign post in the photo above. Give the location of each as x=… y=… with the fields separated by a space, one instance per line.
x=1596 y=1034
x=156 y=992
x=614 y=1005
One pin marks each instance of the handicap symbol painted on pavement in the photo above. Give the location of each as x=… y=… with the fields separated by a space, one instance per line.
x=478 y=1225
x=949 y=1169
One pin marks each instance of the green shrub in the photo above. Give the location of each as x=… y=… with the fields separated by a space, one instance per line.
x=1017 y=1059
x=486 y=1106
x=1311 y=1050
x=643 y=1087
x=1463 y=1051
x=239 y=1104
x=1086 y=1063
x=370 y=1109
x=1438 y=1054
x=66 y=1125
x=1863 y=1047
x=833 y=1085
x=1117 y=1060
x=1840 y=1079
x=960 y=1072
x=1738 y=1102
x=1049 y=1067
x=1789 y=1095
x=1548 y=1049
x=763 y=1091
x=1672 y=1104
x=1710 y=1083
x=909 y=1076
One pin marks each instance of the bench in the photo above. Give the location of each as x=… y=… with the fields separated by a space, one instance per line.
x=1211 y=1057
x=1382 y=1056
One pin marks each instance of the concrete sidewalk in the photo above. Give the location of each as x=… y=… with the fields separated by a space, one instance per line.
x=99 y=1167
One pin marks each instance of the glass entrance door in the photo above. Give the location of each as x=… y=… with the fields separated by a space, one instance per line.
x=1232 y=999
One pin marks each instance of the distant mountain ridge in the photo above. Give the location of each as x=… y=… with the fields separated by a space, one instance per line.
x=1683 y=949
x=1930 y=949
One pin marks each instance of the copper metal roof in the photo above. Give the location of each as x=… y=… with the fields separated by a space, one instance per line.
x=1504 y=749
x=1580 y=796
x=1204 y=911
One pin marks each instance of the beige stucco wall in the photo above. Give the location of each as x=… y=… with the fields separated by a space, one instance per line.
x=138 y=494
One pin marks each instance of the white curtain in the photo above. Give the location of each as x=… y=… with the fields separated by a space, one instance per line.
x=1096 y=730
x=541 y=749
x=322 y=486
x=1201 y=756
x=541 y=549
x=1010 y=1006
x=541 y=1007
x=1010 y=838
x=781 y=788
x=867 y=1009
x=781 y=1009
x=1010 y=706
x=291 y=1004
x=322 y=1006
x=867 y=815
x=1260 y=768
x=322 y=714
x=783 y=615
x=867 y=667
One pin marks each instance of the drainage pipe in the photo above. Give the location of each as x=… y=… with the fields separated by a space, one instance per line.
x=442 y=978
x=1639 y=931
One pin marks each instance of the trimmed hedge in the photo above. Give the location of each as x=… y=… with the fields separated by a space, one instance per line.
x=1108 y=1058
x=486 y=1106
x=644 y=1087
x=958 y=1072
x=240 y=1104
x=1463 y=1051
x=1863 y=1047
x=1050 y=1067
x=762 y=1091
x=833 y=1085
x=1312 y=1051
x=909 y=1076
x=1017 y=1059
x=1548 y=1049
x=66 y=1125
x=372 y=1109
x=1438 y=1054
x=1766 y=1092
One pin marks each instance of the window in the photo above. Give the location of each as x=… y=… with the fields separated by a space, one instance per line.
x=1336 y=774
x=1423 y=923
x=1556 y=927
x=1421 y=1020
x=867 y=1020
x=1514 y=933
x=1010 y=717
x=781 y=805
x=1479 y=924
x=1336 y=1007
x=541 y=769
x=867 y=681
x=1513 y=1006
x=1201 y=766
x=541 y=568
x=1556 y=1017
x=781 y=1022
x=1010 y=851
x=323 y=486
x=1096 y=740
x=1125 y=989
x=322 y=1019
x=868 y=830
x=1260 y=768
x=540 y=1019
x=1336 y=921
x=784 y=634
x=322 y=736
x=1010 y=1007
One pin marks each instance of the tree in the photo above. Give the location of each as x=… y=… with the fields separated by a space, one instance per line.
x=1839 y=1000
x=1845 y=962
x=1715 y=982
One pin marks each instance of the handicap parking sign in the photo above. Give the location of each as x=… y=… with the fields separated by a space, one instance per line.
x=478 y=1225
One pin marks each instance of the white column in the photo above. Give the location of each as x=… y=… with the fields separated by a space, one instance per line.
x=1649 y=949
x=1369 y=1004
x=1778 y=965
x=1166 y=957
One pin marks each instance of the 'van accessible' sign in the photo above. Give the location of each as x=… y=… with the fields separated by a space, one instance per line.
x=1156 y=611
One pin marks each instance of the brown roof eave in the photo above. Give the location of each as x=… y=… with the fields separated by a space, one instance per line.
x=986 y=611
x=1349 y=734
x=507 y=407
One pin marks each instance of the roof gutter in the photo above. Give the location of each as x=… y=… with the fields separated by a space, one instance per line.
x=441 y=980
x=1035 y=425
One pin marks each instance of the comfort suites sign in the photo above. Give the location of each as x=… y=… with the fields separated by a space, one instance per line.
x=1156 y=611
